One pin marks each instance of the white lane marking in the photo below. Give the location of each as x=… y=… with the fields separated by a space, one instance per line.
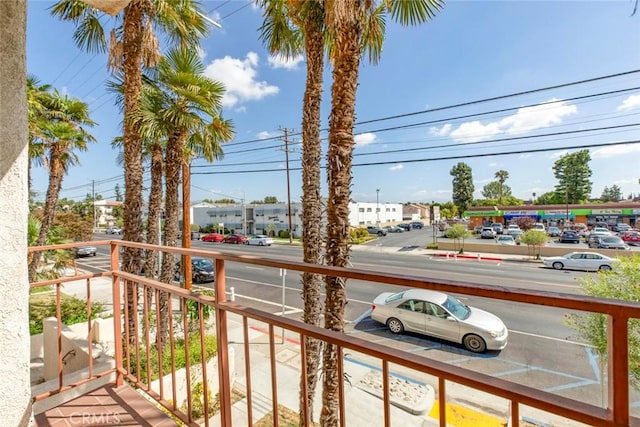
x=548 y=338
x=558 y=285
x=254 y=268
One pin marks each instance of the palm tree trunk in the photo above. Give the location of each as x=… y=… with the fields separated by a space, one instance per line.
x=173 y=162
x=153 y=218
x=348 y=30
x=56 y=173
x=311 y=203
x=132 y=214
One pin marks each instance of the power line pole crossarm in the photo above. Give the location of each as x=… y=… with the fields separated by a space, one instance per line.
x=286 y=152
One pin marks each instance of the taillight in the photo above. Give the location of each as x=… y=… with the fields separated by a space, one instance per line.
x=373 y=307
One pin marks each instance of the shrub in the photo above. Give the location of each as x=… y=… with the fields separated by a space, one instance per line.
x=73 y=310
x=283 y=234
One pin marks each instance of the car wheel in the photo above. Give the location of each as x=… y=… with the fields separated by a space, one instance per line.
x=558 y=265
x=380 y=233
x=395 y=325
x=94 y=254
x=605 y=268
x=260 y=243
x=474 y=343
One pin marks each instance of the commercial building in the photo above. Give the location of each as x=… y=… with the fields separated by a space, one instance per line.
x=590 y=214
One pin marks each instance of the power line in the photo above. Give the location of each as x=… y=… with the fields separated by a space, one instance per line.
x=433 y=159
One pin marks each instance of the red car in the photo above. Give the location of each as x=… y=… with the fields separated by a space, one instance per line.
x=213 y=237
x=235 y=238
x=631 y=237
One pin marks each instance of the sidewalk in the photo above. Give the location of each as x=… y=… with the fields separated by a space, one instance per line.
x=417 y=250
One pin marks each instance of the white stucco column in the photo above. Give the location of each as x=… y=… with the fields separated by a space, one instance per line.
x=15 y=392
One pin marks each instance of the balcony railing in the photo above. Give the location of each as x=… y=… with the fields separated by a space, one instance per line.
x=137 y=331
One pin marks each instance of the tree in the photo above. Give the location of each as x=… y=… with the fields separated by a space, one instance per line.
x=496 y=191
x=462 y=185
x=118 y=193
x=270 y=200
x=549 y=198
x=61 y=137
x=535 y=238
x=572 y=172
x=613 y=194
x=502 y=176
x=458 y=232
x=525 y=222
x=347 y=21
x=133 y=42
x=622 y=284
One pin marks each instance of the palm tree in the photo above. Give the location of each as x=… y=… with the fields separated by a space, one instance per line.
x=132 y=43
x=349 y=23
x=181 y=99
x=61 y=137
x=284 y=25
x=501 y=176
x=39 y=103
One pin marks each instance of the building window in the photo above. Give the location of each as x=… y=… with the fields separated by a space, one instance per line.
x=368 y=209
x=361 y=210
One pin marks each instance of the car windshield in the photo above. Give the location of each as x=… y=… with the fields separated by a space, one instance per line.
x=456 y=308
x=203 y=263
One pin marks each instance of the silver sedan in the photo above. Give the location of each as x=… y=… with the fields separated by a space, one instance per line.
x=590 y=261
x=442 y=316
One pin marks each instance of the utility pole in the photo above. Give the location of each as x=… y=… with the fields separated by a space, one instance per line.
x=286 y=152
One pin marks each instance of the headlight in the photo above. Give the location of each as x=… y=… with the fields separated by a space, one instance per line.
x=496 y=334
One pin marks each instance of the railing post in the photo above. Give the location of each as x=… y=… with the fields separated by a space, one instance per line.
x=618 y=367
x=223 y=346
x=117 y=321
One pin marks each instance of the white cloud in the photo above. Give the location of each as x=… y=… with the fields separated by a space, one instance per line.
x=482 y=181
x=630 y=103
x=279 y=61
x=558 y=154
x=626 y=181
x=364 y=139
x=443 y=131
x=396 y=167
x=239 y=79
x=524 y=156
x=614 y=150
x=493 y=165
x=524 y=120
x=266 y=134
x=202 y=54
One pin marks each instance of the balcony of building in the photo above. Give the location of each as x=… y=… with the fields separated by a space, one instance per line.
x=105 y=371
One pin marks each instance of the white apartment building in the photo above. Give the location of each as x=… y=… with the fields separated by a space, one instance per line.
x=260 y=218
x=104 y=212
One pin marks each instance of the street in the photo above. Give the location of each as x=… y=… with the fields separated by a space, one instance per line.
x=542 y=352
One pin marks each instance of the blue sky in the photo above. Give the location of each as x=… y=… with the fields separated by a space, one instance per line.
x=471 y=51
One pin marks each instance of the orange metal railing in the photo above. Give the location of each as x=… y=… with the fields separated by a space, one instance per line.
x=135 y=344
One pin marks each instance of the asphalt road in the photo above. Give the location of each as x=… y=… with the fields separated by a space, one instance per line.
x=542 y=352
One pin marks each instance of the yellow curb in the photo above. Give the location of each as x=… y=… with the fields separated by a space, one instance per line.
x=460 y=416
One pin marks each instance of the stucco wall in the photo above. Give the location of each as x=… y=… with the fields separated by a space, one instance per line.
x=14 y=287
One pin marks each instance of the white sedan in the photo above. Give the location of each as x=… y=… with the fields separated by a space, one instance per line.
x=442 y=316
x=260 y=240
x=590 y=261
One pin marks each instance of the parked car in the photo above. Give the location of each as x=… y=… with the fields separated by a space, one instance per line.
x=505 y=239
x=631 y=237
x=260 y=240
x=83 y=251
x=114 y=230
x=590 y=261
x=554 y=232
x=569 y=236
x=607 y=242
x=194 y=235
x=621 y=227
x=600 y=231
x=372 y=229
x=235 y=238
x=497 y=227
x=538 y=226
x=212 y=237
x=405 y=226
x=511 y=228
x=477 y=229
x=516 y=234
x=394 y=229
x=202 y=270
x=417 y=224
x=442 y=316
x=488 y=233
